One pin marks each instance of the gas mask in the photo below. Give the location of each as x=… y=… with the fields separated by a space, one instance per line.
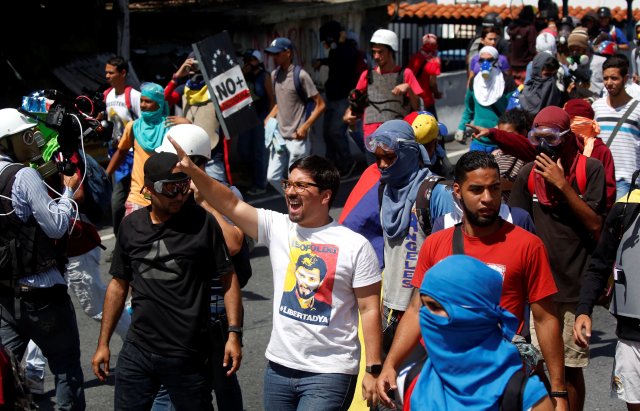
x=547 y=149
x=27 y=147
x=485 y=67
x=578 y=59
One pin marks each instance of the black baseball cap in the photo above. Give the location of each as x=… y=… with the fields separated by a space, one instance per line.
x=158 y=167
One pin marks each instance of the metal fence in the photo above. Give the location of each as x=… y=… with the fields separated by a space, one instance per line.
x=453 y=40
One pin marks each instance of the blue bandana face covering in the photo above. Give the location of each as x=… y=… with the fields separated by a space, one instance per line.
x=471 y=357
x=149 y=129
x=402 y=179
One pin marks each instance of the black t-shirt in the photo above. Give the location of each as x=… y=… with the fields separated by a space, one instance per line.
x=569 y=244
x=170 y=267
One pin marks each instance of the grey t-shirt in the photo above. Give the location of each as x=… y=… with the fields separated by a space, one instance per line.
x=290 y=107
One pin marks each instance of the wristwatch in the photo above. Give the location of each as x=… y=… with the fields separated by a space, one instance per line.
x=374 y=369
x=235 y=329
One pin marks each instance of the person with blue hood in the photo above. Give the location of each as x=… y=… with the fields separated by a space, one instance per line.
x=144 y=135
x=403 y=163
x=468 y=336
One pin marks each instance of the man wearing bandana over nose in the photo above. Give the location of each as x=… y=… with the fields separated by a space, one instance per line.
x=567 y=220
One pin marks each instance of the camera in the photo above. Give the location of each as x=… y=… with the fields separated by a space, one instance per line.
x=75 y=122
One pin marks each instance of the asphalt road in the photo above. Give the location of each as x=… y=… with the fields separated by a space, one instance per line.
x=257 y=299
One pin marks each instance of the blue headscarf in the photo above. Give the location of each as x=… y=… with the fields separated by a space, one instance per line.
x=402 y=179
x=471 y=357
x=149 y=129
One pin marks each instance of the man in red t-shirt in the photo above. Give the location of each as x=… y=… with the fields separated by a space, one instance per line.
x=425 y=64
x=517 y=254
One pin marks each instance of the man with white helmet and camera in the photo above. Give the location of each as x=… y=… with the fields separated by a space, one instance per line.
x=392 y=92
x=34 y=302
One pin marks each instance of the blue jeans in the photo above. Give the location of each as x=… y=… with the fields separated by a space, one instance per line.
x=335 y=134
x=622 y=188
x=139 y=375
x=286 y=389
x=215 y=167
x=48 y=318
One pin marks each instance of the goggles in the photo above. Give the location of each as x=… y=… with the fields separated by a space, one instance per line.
x=489 y=60
x=551 y=135
x=298 y=186
x=171 y=188
x=386 y=141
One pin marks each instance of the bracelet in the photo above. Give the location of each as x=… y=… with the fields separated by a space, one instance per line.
x=174 y=77
x=559 y=394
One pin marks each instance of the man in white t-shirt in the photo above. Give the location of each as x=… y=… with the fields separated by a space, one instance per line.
x=123 y=105
x=318 y=349
x=609 y=111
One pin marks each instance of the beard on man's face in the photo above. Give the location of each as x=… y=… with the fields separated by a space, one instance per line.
x=476 y=219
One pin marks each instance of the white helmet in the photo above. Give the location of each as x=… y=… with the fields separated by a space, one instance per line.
x=193 y=140
x=386 y=37
x=12 y=121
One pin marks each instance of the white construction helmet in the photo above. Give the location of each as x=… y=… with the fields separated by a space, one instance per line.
x=193 y=140
x=12 y=121
x=386 y=37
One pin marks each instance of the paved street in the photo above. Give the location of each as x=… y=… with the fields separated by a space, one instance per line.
x=258 y=306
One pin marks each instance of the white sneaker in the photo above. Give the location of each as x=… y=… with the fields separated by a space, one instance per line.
x=35 y=384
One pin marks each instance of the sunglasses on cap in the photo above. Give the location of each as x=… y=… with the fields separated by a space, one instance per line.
x=386 y=141
x=551 y=135
x=171 y=188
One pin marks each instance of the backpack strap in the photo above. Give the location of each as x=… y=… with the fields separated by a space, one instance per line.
x=423 y=202
x=298 y=84
x=621 y=121
x=369 y=76
x=400 y=78
x=273 y=80
x=127 y=101
x=531 y=182
x=457 y=245
x=581 y=173
x=106 y=93
x=511 y=399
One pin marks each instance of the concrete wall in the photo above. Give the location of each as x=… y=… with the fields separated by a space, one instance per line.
x=450 y=107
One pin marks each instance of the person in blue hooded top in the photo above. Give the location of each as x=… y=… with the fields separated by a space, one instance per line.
x=403 y=164
x=468 y=337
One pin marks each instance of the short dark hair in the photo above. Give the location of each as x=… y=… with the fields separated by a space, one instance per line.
x=487 y=30
x=119 y=62
x=518 y=118
x=322 y=171
x=619 y=61
x=472 y=161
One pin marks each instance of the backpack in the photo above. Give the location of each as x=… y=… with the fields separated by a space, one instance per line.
x=98 y=187
x=581 y=176
x=15 y=391
x=127 y=100
x=242 y=265
x=309 y=103
x=423 y=200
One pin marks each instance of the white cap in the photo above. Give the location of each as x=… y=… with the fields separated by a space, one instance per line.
x=546 y=42
x=12 y=121
x=193 y=139
x=386 y=37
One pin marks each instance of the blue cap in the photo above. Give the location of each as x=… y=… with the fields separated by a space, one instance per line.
x=278 y=45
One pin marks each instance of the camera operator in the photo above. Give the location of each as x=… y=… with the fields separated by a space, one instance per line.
x=34 y=303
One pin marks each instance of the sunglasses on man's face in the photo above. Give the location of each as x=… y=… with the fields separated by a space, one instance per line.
x=171 y=189
x=491 y=60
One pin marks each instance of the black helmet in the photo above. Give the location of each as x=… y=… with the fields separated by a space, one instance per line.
x=604 y=12
x=492 y=20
